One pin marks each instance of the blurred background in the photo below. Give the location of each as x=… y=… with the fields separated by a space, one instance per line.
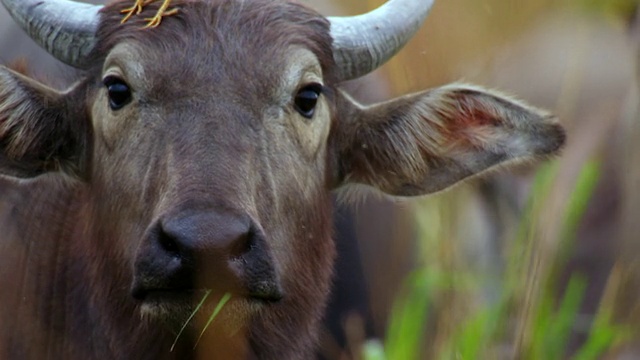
x=538 y=262
x=534 y=263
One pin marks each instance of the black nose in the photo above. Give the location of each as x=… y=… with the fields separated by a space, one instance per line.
x=218 y=251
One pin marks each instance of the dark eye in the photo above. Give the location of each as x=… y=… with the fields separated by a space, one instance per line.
x=307 y=98
x=119 y=92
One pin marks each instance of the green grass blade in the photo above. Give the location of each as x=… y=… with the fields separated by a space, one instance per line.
x=540 y=324
x=189 y=319
x=599 y=341
x=604 y=335
x=579 y=199
x=475 y=335
x=221 y=303
x=408 y=319
x=561 y=325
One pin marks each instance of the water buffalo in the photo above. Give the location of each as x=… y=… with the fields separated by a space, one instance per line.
x=191 y=166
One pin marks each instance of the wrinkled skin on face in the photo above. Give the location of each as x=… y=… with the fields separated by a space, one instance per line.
x=199 y=157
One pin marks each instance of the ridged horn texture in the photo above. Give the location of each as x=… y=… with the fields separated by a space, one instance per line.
x=363 y=43
x=66 y=29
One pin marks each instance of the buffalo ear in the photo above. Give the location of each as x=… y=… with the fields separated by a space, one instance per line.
x=39 y=131
x=426 y=142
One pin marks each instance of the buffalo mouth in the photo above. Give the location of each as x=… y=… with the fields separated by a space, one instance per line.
x=175 y=308
x=150 y=296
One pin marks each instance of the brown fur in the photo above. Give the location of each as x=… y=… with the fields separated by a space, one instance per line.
x=211 y=125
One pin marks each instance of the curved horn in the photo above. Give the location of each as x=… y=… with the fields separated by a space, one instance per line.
x=66 y=29
x=363 y=43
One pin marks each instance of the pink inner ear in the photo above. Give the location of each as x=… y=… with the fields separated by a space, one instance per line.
x=20 y=66
x=471 y=112
x=468 y=122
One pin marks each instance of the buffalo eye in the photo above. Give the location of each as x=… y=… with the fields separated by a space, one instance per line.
x=307 y=98
x=118 y=91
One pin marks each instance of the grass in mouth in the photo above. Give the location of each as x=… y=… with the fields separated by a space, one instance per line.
x=219 y=307
x=204 y=298
x=215 y=313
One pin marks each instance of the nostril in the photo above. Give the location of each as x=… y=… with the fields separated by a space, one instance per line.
x=207 y=250
x=168 y=243
x=242 y=244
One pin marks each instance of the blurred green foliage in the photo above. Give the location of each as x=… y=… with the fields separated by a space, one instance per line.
x=612 y=8
x=530 y=320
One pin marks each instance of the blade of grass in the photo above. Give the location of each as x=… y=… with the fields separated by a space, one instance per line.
x=605 y=333
x=582 y=193
x=538 y=326
x=565 y=318
x=409 y=317
x=602 y=338
x=474 y=336
x=189 y=319
x=523 y=278
x=221 y=303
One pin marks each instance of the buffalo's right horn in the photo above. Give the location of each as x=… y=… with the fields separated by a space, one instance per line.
x=363 y=43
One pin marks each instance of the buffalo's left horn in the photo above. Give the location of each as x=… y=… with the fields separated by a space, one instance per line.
x=66 y=29
x=363 y=43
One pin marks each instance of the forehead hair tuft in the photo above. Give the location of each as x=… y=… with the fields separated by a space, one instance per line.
x=255 y=29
